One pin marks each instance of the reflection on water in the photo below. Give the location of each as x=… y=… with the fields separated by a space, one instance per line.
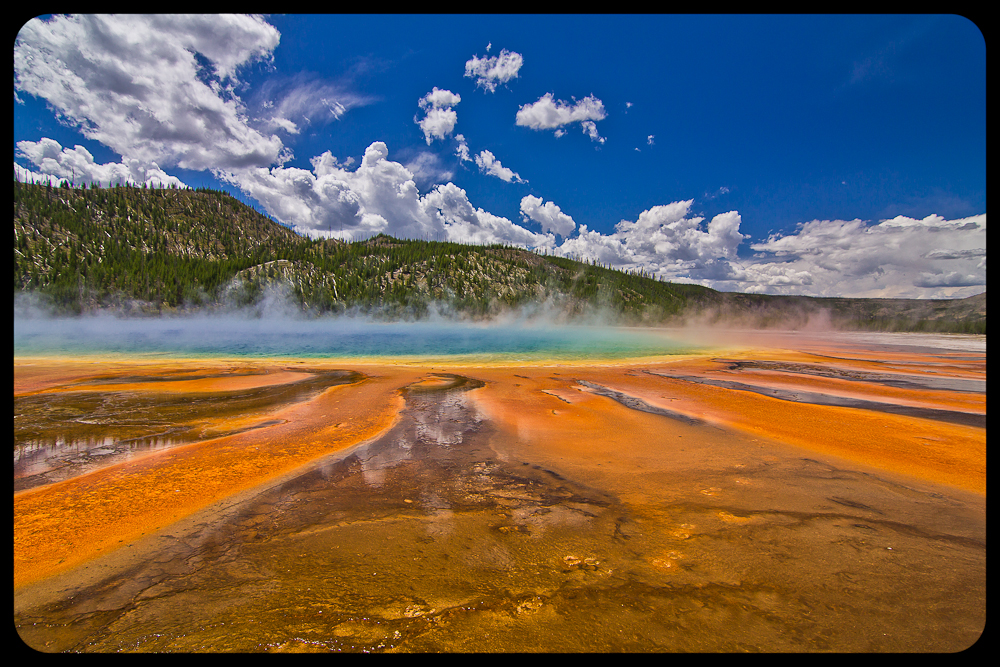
x=63 y=434
x=48 y=460
x=969 y=342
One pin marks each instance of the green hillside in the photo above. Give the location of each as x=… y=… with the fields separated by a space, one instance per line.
x=137 y=250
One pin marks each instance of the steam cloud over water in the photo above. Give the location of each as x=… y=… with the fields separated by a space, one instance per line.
x=275 y=328
x=235 y=335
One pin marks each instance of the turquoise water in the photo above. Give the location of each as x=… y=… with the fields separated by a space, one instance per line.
x=319 y=338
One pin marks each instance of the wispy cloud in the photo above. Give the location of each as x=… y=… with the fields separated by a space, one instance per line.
x=293 y=103
x=427 y=169
x=723 y=190
x=489 y=164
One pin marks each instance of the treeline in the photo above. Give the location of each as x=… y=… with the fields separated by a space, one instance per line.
x=100 y=246
x=90 y=247
x=163 y=249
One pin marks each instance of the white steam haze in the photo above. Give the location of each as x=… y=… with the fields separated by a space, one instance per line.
x=164 y=92
x=540 y=333
x=275 y=328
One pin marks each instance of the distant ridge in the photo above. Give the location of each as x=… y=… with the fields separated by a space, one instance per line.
x=138 y=251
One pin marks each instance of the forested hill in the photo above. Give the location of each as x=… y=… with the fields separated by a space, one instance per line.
x=147 y=251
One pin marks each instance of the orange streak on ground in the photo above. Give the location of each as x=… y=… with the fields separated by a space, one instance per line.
x=432 y=381
x=935 y=451
x=232 y=383
x=34 y=374
x=929 y=450
x=589 y=436
x=38 y=375
x=872 y=391
x=62 y=525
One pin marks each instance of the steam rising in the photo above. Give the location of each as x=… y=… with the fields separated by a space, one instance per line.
x=273 y=328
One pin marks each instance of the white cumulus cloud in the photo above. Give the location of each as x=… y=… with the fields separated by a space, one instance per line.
x=379 y=196
x=898 y=258
x=590 y=244
x=490 y=71
x=548 y=215
x=440 y=118
x=666 y=241
x=439 y=98
x=666 y=233
x=56 y=164
x=550 y=114
x=156 y=88
x=902 y=257
x=463 y=148
x=466 y=224
x=438 y=124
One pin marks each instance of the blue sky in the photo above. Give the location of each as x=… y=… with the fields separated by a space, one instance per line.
x=820 y=155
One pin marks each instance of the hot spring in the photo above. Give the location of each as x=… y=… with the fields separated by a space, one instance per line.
x=204 y=336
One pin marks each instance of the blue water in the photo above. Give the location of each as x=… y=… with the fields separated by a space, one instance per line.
x=320 y=338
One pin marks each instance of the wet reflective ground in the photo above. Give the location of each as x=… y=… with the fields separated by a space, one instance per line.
x=451 y=532
x=68 y=433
